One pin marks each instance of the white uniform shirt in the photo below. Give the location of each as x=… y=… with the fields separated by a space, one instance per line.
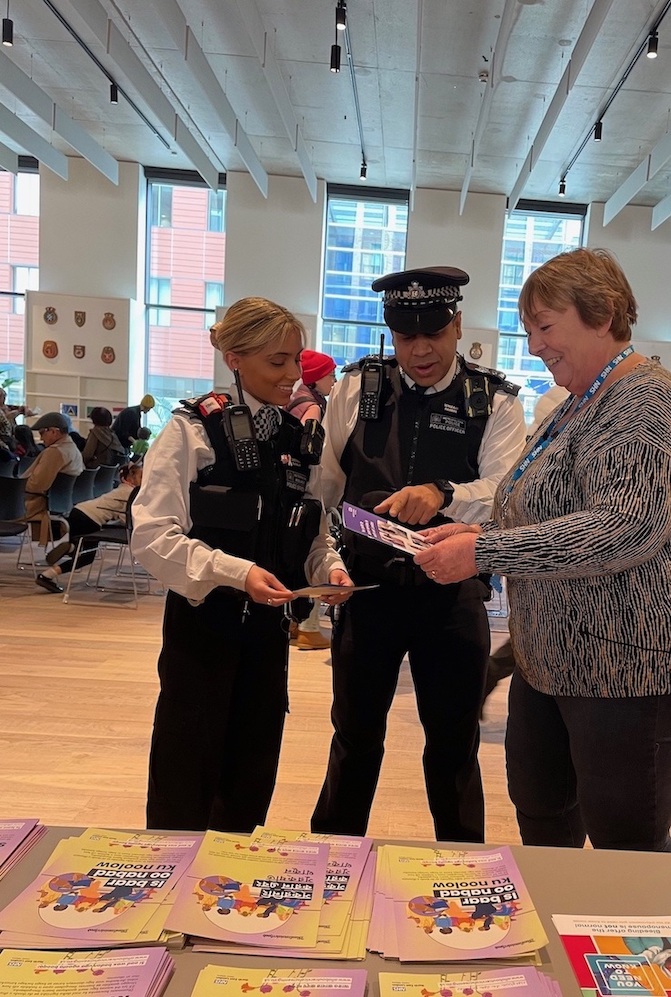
x=161 y=519
x=502 y=443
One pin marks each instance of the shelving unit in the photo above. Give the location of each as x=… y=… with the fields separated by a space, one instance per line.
x=65 y=370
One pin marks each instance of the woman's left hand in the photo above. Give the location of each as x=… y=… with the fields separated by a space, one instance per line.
x=450 y=560
x=338 y=577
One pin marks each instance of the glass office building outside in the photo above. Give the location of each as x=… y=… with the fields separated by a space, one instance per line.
x=365 y=238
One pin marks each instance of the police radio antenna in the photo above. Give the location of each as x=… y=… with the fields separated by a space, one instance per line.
x=238 y=384
x=381 y=346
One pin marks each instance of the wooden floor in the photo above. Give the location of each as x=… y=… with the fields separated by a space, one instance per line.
x=77 y=691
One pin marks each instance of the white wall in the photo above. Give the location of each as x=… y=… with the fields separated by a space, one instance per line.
x=439 y=236
x=274 y=245
x=92 y=231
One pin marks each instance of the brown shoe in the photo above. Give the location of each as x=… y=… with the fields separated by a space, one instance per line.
x=310 y=640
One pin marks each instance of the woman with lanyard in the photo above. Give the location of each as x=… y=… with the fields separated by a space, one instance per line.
x=582 y=532
x=225 y=519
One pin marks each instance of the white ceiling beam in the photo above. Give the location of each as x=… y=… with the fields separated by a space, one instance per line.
x=637 y=179
x=147 y=89
x=21 y=133
x=581 y=50
x=9 y=160
x=40 y=103
x=508 y=18
x=278 y=91
x=196 y=61
x=661 y=212
x=623 y=195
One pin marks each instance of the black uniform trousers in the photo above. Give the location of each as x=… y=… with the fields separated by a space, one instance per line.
x=220 y=714
x=445 y=632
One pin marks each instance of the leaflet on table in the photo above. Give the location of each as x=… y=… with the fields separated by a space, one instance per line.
x=618 y=955
x=239 y=891
x=509 y=982
x=134 y=972
x=460 y=905
x=17 y=836
x=102 y=887
x=277 y=981
x=377 y=528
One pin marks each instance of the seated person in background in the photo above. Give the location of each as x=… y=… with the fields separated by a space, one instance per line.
x=140 y=445
x=11 y=412
x=102 y=444
x=308 y=401
x=87 y=517
x=127 y=423
x=26 y=442
x=59 y=455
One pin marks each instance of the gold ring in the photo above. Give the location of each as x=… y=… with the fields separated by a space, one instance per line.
x=269 y=601
x=433 y=574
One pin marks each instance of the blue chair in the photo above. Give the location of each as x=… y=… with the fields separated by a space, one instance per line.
x=12 y=508
x=83 y=490
x=105 y=478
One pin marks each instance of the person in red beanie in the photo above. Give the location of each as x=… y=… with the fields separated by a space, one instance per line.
x=308 y=401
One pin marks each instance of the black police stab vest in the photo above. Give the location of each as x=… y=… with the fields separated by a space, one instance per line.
x=261 y=515
x=417 y=439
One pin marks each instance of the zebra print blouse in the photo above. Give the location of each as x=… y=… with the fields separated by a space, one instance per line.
x=584 y=540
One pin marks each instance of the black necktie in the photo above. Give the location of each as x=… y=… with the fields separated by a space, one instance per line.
x=266 y=422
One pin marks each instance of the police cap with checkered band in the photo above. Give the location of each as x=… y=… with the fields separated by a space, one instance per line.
x=421 y=301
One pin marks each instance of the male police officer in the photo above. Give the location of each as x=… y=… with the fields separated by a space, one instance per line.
x=419 y=439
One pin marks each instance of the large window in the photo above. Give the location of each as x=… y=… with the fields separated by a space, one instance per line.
x=365 y=238
x=531 y=237
x=19 y=259
x=185 y=282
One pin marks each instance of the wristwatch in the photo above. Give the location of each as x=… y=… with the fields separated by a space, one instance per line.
x=446 y=488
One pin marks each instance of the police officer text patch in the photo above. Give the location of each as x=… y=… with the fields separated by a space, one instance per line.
x=447 y=423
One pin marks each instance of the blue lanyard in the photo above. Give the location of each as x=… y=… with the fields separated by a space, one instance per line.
x=547 y=436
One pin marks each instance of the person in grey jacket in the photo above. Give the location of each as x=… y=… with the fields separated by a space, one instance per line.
x=582 y=532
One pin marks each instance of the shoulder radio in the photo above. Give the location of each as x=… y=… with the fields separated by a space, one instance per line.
x=239 y=431
x=372 y=380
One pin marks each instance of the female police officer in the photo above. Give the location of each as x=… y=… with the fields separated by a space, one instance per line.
x=225 y=522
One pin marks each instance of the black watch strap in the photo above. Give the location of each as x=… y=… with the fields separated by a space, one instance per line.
x=447 y=489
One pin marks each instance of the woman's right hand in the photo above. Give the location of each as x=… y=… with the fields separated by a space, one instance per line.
x=262 y=586
x=437 y=533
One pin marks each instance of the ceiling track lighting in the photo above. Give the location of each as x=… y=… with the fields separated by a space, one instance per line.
x=598 y=131
x=653 y=42
x=7 y=29
x=363 y=173
x=114 y=93
x=335 y=58
x=341 y=15
x=562 y=187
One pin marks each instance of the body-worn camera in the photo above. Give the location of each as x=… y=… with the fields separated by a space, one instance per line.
x=478 y=402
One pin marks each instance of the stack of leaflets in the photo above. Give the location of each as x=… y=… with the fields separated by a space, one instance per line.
x=133 y=973
x=102 y=889
x=520 y=981
x=16 y=838
x=278 y=982
x=618 y=955
x=439 y=905
x=280 y=893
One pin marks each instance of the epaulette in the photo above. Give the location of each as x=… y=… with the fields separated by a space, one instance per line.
x=359 y=364
x=207 y=404
x=503 y=384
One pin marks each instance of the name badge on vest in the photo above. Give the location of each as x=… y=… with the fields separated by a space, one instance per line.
x=447 y=423
x=296 y=480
